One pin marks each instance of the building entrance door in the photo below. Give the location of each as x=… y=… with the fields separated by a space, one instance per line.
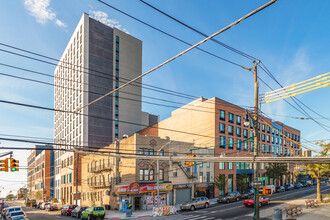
x=137 y=201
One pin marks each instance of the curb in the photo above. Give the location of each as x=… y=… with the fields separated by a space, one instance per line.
x=141 y=216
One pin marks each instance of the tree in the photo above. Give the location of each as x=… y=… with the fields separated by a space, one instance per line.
x=319 y=171
x=9 y=196
x=220 y=182
x=276 y=170
x=38 y=195
x=242 y=182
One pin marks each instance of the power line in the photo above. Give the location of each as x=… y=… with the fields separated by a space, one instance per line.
x=181 y=53
x=200 y=33
x=292 y=98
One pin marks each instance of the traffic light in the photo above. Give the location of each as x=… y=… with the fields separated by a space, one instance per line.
x=266 y=191
x=14 y=164
x=4 y=165
x=190 y=163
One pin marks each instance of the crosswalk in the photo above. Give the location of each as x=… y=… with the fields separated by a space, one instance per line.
x=186 y=217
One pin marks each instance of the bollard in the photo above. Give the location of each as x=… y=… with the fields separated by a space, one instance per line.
x=277 y=214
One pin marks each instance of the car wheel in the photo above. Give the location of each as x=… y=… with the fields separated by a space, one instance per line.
x=227 y=201
x=89 y=217
x=237 y=199
x=81 y=217
x=192 y=208
x=206 y=205
x=268 y=202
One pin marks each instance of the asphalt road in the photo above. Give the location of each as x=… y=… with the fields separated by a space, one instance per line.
x=237 y=210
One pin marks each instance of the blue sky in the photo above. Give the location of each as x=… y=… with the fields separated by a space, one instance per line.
x=290 y=37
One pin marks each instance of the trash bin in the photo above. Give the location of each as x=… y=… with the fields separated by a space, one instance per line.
x=277 y=214
x=128 y=212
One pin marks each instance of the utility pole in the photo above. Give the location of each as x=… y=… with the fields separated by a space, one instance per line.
x=256 y=141
x=158 y=199
x=77 y=170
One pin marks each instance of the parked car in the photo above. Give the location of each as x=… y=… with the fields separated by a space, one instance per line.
x=198 y=202
x=289 y=187
x=38 y=205
x=10 y=210
x=262 y=201
x=297 y=185
x=14 y=214
x=93 y=213
x=43 y=205
x=280 y=189
x=248 y=194
x=51 y=207
x=231 y=197
x=19 y=218
x=77 y=211
x=66 y=210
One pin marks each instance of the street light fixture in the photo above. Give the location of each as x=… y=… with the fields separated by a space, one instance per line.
x=246 y=120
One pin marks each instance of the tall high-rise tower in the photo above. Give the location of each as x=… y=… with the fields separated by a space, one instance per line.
x=96 y=60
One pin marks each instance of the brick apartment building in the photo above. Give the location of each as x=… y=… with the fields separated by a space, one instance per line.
x=108 y=181
x=40 y=178
x=219 y=124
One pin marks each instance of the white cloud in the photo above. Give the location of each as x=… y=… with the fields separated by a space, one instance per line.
x=104 y=18
x=41 y=11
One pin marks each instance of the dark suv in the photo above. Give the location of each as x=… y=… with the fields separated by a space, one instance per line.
x=66 y=210
x=231 y=197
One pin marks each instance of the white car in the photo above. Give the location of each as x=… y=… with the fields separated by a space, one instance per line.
x=272 y=187
x=10 y=210
x=11 y=215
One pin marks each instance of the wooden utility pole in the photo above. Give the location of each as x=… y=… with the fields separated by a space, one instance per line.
x=256 y=141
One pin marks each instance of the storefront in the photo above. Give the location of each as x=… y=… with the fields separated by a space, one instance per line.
x=143 y=196
x=204 y=189
x=181 y=193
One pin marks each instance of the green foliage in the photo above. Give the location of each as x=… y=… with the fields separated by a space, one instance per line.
x=220 y=182
x=319 y=171
x=38 y=195
x=9 y=196
x=276 y=170
x=242 y=182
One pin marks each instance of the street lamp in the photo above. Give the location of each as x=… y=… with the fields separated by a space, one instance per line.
x=246 y=120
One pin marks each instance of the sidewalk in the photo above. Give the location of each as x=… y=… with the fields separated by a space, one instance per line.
x=141 y=214
x=115 y=214
x=322 y=212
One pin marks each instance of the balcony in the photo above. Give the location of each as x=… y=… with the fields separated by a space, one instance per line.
x=99 y=185
x=100 y=169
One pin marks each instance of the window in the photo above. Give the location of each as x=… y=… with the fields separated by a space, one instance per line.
x=272 y=139
x=230 y=143
x=151 y=175
x=263 y=127
x=238 y=144
x=245 y=133
x=245 y=145
x=222 y=115
x=207 y=164
x=221 y=128
x=268 y=129
x=231 y=117
x=200 y=177
x=201 y=164
x=208 y=177
x=268 y=140
x=161 y=153
x=161 y=174
x=238 y=120
x=238 y=132
x=222 y=142
x=221 y=165
x=141 y=175
x=230 y=130
x=262 y=137
x=251 y=134
x=117 y=39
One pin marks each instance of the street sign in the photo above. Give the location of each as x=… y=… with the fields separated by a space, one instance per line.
x=265 y=178
x=256 y=183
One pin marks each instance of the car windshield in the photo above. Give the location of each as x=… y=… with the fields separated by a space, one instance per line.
x=17 y=213
x=98 y=208
x=232 y=194
x=72 y=207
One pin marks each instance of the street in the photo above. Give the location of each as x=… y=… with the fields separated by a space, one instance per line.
x=234 y=210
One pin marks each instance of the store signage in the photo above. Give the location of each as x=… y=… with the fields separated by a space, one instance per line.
x=134 y=188
x=152 y=187
x=182 y=186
